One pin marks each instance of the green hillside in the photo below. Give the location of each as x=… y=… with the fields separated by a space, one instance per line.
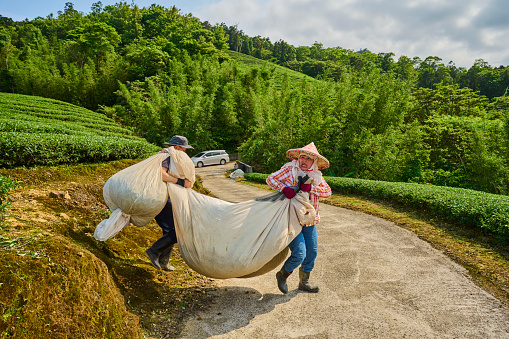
x=40 y=131
x=279 y=73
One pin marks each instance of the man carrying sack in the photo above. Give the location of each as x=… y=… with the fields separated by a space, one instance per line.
x=160 y=252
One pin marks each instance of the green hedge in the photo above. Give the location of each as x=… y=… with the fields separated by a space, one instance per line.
x=256 y=177
x=60 y=127
x=29 y=149
x=57 y=117
x=462 y=206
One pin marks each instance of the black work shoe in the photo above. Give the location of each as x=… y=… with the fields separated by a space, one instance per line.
x=164 y=259
x=308 y=288
x=154 y=258
x=281 y=277
x=168 y=267
x=304 y=284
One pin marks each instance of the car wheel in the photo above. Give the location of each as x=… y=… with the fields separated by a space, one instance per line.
x=199 y=164
x=223 y=161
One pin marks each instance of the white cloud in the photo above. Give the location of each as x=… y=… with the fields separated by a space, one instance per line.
x=454 y=30
x=457 y=30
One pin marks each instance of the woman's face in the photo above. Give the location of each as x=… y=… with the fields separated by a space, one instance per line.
x=305 y=162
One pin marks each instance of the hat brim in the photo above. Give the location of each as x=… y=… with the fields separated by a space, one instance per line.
x=168 y=144
x=321 y=161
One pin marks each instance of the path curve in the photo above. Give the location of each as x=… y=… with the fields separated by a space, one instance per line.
x=376 y=280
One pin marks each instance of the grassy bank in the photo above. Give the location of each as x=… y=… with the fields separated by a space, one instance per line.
x=57 y=281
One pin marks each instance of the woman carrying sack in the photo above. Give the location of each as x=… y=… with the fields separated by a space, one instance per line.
x=305 y=163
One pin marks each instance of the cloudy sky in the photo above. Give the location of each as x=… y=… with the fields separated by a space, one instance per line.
x=453 y=30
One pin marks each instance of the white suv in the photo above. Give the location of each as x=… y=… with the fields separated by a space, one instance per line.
x=215 y=157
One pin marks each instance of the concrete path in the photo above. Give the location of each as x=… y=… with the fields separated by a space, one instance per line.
x=376 y=281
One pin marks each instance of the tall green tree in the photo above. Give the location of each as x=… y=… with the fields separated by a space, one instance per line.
x=432 y=72
x=126 y=20
x=283 y=52
x=93 y=40
x=145 y=59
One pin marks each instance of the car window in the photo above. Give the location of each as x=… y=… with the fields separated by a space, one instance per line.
x=214 y=153
x=199 y=155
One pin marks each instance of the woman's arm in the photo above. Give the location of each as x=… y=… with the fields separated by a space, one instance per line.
x=321 y=190
x=280 y=179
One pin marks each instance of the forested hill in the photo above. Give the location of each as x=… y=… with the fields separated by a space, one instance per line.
x=160 y=72
x=329 y=63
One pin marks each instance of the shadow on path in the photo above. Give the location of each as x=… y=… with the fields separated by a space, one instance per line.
x=224 y=317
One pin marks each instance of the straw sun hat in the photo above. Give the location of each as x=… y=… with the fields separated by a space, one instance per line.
x=311 y=150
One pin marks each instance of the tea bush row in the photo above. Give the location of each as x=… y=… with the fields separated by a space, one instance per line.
x=35 y=126
x=464 y=207
x=57 y=117
x=44 y=104
x=103 y=124
x=30 y=149
x=48 y=109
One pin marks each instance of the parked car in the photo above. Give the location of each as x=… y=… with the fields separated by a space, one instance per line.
x=215 y=157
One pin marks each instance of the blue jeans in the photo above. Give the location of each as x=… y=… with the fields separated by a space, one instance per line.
x=304 y=249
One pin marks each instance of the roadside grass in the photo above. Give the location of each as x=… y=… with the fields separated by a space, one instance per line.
x=485 y=258
x=57 y=281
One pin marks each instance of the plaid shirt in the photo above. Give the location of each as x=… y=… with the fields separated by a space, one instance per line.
x=284 y=178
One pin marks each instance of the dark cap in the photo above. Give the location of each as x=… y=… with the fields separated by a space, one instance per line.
x=178 y=140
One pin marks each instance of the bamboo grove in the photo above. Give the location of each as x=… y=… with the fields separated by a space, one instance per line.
x=159 y=72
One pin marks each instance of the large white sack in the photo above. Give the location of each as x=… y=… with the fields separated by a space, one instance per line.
x=108 y=228
x=138 y=194
x=221 y=239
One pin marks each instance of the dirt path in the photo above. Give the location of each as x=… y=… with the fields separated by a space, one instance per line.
x=376 y=281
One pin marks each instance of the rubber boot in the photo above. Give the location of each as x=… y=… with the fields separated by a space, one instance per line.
x=155 y=251
x=164 y=259
x=304 y=282
x=281 y=277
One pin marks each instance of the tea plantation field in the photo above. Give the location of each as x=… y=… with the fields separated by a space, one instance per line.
x=39 y=131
